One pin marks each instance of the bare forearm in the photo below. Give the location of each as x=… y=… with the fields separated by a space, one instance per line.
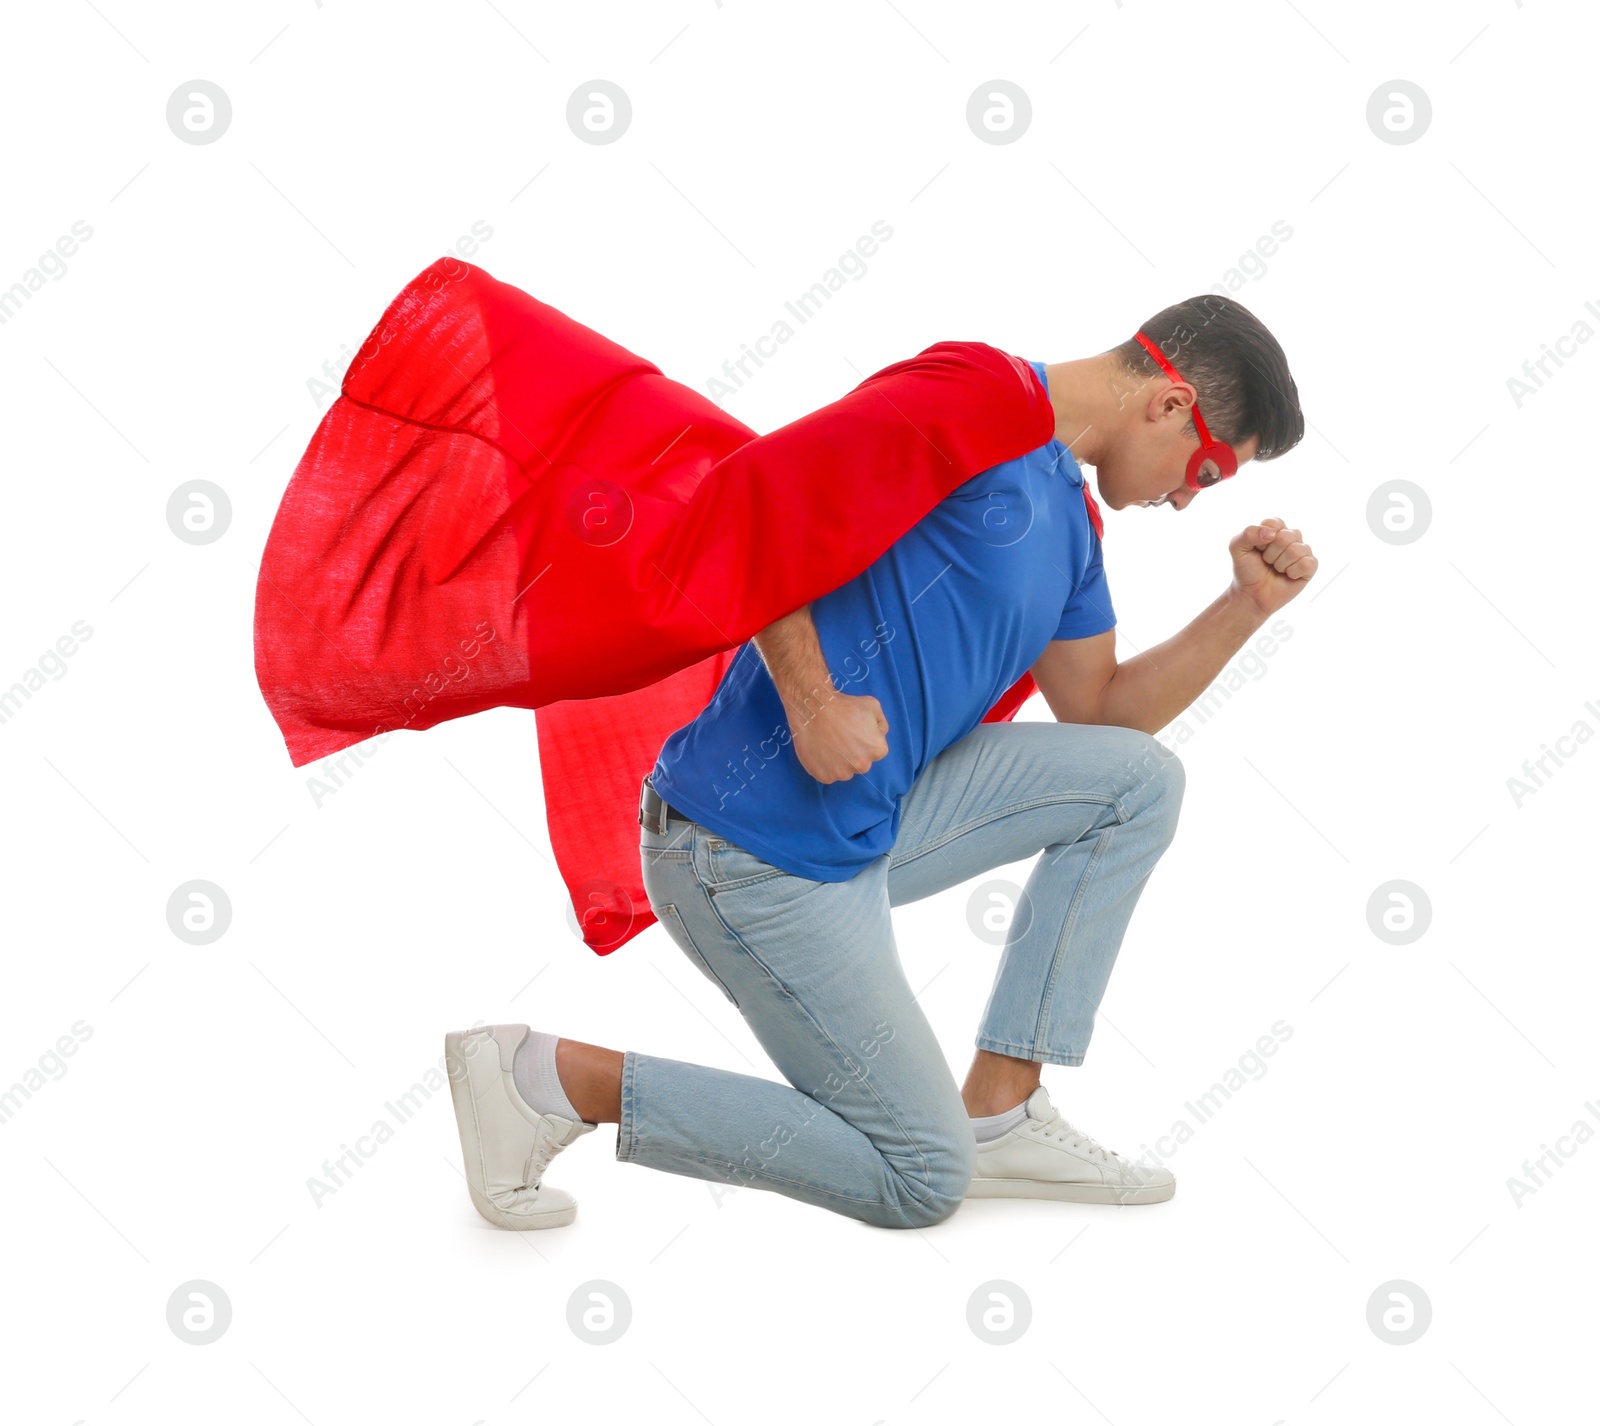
x=836 y=735
x=1151 y=689
x=793 y=655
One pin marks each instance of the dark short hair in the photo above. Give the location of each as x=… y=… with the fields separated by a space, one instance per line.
x=1234 y=364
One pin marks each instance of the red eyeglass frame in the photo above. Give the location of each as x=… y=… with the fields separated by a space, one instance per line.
x=1219 y=454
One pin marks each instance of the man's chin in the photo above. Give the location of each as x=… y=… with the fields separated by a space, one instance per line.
x=1110 y=493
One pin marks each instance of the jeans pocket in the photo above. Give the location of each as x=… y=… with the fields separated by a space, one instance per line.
x=668 y=915
x=730 y=866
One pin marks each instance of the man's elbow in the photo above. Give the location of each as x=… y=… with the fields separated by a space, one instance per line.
x=1079 y=710
x=1106 y=713
x=1148 y=726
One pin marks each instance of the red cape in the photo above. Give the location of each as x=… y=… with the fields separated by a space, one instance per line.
x=504 y=508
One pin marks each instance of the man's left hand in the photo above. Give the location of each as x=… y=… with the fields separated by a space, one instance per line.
x=1271 y=564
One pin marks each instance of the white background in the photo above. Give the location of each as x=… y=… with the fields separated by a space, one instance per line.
x=1165 y=140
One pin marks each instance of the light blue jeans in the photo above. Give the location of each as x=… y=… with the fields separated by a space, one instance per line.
x=871 y=1123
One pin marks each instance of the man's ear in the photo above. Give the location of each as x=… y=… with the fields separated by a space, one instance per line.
x=1172 y=399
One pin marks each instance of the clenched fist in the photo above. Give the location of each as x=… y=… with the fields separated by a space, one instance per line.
x=843 y=737
x=1271 y=565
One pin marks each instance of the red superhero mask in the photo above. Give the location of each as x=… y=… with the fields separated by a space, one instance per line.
x=1214 y=460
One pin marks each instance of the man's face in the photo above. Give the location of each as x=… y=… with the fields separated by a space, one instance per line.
x=1147 y=466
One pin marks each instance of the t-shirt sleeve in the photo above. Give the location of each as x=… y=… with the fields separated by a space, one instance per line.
x=1088 y=611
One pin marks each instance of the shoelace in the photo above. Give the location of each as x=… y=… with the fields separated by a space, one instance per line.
x=538 y=1162
x=1077 y=1138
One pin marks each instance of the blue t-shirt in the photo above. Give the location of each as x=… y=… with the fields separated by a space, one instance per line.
x=936 y=629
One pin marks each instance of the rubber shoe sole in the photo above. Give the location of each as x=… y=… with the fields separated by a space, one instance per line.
x=1070 y=1192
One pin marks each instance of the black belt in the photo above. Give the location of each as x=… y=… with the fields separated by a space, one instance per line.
x=654 y=808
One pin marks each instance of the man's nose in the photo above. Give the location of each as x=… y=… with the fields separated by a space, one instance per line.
x=1179 y=498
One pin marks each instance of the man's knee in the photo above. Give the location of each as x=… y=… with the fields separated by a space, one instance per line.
x=927 y=1165
x=929 y=1193
x=1154 y=777
x=1168 y=788
x=1172 y=779
x=934 y=1209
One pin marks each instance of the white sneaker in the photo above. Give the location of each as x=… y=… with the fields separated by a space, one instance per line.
x=505 y=1144
x=1045 y=1157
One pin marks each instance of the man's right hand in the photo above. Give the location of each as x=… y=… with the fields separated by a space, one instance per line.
x=836 y=735
x=844 y=736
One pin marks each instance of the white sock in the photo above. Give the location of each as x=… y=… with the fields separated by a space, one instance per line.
x=533 y=1070
x=994 y=1125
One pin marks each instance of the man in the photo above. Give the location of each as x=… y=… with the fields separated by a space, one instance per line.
x=843 y=768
